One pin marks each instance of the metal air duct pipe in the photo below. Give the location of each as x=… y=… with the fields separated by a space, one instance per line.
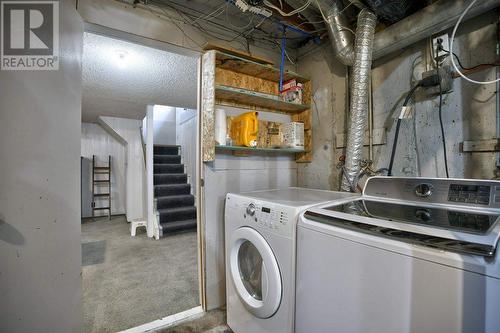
x=341 y=38
x=359 y=98
x=360 y=58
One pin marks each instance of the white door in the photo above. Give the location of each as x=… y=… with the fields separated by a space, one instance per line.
x=255 y=272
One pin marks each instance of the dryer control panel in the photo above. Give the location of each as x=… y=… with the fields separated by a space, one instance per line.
x=271 y=217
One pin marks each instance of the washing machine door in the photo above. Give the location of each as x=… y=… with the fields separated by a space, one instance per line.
x=255 y=272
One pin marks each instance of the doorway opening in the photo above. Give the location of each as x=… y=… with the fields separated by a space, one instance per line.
x=138 y=268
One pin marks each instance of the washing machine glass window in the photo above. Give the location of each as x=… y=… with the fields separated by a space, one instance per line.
x=250 y=263
x=255 y=272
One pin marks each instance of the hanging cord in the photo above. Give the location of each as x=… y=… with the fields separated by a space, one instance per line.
x=452 y=39
x=443 y=139
x=468 y=68
x=398 y=125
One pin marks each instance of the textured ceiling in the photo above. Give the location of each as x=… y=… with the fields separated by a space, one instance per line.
x=120 y=79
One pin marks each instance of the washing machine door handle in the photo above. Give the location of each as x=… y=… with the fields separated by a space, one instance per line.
x=255 y=272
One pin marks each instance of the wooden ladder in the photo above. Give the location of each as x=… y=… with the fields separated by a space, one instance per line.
x=101 y=170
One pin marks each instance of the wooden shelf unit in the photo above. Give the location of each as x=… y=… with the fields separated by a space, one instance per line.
x=230 y=80
x=264 y=150
x=255 y=100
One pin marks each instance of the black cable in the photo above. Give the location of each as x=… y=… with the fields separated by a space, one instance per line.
x=441 y=121
x=398 y=125
x=468 y=68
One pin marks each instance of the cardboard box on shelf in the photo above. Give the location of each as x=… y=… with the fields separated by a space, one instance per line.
x=292 y=92
x=292 y=135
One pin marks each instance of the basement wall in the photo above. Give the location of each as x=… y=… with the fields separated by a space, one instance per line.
x=96 y=141
x=468 y=111
x=164 y=125
x=40 y=250
x=329 y=97
x=128 y=131
x=186 y=127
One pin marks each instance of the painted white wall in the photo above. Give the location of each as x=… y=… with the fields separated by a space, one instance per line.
x=149 y=141
x=40 y=251
x=164 y=125
x=96 y=141
x=229 y=173
x=187 y=122
x=128 y=131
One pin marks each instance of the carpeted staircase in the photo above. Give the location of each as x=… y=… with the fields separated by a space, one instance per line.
x=174 y=201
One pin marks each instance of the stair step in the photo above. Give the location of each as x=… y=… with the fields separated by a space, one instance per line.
x=100 y=208
x=175 y=226
x=169 y=168
x=101 y=195
x=172 y=189
x=168 y=215
x=170 y=178
x=166 y=150
x=101 y=181
x=101 y=168
x=172 y=201
x=167 y=159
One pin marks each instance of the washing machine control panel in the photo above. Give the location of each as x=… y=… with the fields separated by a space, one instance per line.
x=271 y=217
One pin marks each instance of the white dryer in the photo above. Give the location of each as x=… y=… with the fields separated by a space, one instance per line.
x=260 y=256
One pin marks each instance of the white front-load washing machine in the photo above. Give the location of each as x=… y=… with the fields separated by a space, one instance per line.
x=260 y=232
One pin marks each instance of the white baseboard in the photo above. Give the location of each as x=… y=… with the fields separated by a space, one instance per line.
x=166 y=322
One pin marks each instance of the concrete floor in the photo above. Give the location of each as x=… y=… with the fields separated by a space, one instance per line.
x=131 y=281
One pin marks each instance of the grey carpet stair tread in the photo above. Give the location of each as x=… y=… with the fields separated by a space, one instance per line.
x=166 y=150
x=170 y=178
x=169 y=215
x=178 y=226
x=173 y=201
x=172 y=189
x=168 y=168
x=166 y=159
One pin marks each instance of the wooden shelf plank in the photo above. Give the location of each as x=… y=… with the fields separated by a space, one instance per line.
x=248 y=97
x=264 y=150
x=249 y=67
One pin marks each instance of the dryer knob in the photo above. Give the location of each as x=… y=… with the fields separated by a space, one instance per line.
x=251 y=209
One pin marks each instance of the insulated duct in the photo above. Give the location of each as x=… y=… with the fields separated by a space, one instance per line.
x=359 y=98
x=360 y=58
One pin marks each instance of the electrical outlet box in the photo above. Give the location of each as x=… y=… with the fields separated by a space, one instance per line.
x=445 y=74
x=445 y=42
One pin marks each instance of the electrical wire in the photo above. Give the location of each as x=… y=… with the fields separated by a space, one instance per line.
x=286 y=53
x=212 y=14
x=452 y=39
x=326 y=20
x=468 y=68
x=398 y=126
x=293 y=12
x=443 y=139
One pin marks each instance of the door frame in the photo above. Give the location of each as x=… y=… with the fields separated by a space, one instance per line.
x=168 y=47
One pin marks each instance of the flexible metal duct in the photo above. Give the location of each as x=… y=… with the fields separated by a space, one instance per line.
x=360 y=57
x=359 y=98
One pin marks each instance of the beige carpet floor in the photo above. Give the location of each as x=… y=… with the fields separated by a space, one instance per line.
x=131 y=281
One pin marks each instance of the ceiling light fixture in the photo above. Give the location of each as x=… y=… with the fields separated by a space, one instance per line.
x=122 y=58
